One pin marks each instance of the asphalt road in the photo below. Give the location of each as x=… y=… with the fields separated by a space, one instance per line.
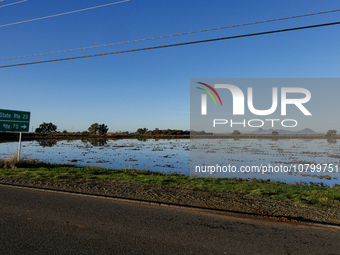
x=42 y=222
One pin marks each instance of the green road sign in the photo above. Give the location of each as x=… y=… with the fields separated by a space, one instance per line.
x=14 y=121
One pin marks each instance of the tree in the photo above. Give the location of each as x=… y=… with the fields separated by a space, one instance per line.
x=236 y=132
x=141 y=131
x=93 y=129
x=102 y=129
x=331 y=132
x=275 y=133
x=156 y=131
x=46 y=128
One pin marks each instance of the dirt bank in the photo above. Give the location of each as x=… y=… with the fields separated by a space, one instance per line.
x=198 y=198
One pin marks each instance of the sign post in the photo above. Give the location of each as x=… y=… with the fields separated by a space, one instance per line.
x=19 y=148
x=15 y=121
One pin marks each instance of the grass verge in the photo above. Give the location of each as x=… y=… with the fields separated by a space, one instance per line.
x=296 y=193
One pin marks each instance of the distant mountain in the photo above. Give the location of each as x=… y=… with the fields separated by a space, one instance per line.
x=260 y=131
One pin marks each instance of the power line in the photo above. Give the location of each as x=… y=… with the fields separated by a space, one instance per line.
x=64 y=13
x=178 y=34
x=12 y=3
x=177 y=44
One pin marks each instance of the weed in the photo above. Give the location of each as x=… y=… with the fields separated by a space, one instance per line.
x=9 y=162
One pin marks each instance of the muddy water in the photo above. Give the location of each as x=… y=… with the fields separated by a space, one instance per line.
x=174 y=156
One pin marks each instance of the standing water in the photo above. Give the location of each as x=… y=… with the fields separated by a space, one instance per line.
x=174 y=155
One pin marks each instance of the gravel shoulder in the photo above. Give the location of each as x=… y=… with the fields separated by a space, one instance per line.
x=225 y=201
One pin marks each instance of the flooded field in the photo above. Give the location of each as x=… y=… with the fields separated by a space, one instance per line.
x=287 y=160
x=311 y=160
x=162 y=155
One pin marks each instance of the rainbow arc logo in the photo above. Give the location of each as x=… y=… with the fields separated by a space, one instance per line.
x=204 y=97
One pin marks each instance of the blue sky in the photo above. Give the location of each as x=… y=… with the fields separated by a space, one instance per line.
x=151 y=88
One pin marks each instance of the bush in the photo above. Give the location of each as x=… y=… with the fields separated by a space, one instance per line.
x=46 y=128
x=331 y=133
x=236 y=132
x=93 y=129
x=9 y=162
x=102 y=129
x=85 y=133
x=142 y=131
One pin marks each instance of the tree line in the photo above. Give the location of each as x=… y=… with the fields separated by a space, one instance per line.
x=52 y=128
x=102 y=129
x=157 y=131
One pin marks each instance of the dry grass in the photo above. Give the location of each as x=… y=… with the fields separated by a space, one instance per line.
x=9 y=162
x=12 y=162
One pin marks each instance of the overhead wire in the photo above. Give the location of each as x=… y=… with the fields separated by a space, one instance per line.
x=177 y=44
x=12 y=3
x=64 y=13
x=172 y=35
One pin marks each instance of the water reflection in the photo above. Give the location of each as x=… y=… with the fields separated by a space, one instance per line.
x=48 y=143
x=97 y=142
x=307 y=140
x=332 y=140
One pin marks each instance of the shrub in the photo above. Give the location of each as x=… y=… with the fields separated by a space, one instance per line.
x=46 y=128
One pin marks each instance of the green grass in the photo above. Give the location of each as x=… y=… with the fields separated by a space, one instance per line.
x=297 y=193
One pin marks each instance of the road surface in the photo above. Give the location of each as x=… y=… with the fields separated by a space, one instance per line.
x=42 y=222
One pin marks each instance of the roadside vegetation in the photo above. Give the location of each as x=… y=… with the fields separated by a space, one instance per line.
x=301 y=193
